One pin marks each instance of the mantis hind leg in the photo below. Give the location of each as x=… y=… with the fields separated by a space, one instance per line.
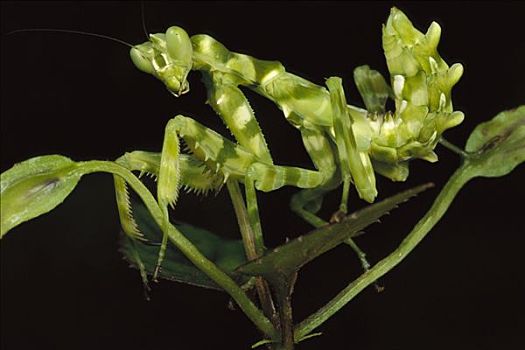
x=307 y=202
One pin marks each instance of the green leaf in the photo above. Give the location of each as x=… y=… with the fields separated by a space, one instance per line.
x=287 y=259
x=498 y=146
x=227 y=254
x=34 y=187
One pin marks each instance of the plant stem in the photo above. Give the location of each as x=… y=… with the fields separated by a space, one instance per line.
x=452 y=147
x=434 y=214
x=286 y=318
x=253 y=216
x=287 y=332
x=248 y=236
x=360 y=254
x=284 y=289
x=251 y=242
x=185 y=246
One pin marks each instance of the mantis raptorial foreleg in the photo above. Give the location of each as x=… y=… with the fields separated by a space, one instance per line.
x=234 y=109
x=234 y=161
x=193 y=176
x=226 y=159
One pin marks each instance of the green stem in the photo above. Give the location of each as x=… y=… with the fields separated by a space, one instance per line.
x=253 y=216
x=284 y=290
x=248 y=236
x=287 y=337
x=360 y=254
x=452 y=147
x=251 y=242
x=441 y=204
x=185 y=246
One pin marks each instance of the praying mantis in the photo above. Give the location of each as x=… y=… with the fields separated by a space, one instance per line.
x=341 y=140
x=231 y=45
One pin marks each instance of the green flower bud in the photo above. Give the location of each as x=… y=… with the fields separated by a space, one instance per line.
x=34 y=187
x=498 y=146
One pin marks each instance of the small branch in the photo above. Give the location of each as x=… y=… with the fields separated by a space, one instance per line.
x=287 y=334
x=360 y=254
x=453 y=148
x=253 y=216
x=434 y=214
x=284 y=298
x=251 y=242
x=248 y=236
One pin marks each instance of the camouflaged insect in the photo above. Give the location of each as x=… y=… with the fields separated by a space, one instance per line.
x=421 y=88
x=347 y=144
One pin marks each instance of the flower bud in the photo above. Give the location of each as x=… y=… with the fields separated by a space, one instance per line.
x=34 y=187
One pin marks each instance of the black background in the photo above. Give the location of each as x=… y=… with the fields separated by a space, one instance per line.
x=64 y=285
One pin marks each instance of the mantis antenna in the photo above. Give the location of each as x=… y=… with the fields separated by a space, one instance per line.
x=143 y=18
x=107 y=37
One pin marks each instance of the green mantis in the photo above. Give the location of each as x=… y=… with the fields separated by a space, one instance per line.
x=346 y=144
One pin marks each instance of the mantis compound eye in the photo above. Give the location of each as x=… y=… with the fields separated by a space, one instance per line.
x=141 y=61
x=180 y=55
x=179 y=46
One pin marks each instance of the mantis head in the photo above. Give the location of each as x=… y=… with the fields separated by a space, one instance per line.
x=168 y=57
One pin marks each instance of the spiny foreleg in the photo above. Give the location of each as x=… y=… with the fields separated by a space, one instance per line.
x=193 y=177
x=229 y=102
x=234 y=161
